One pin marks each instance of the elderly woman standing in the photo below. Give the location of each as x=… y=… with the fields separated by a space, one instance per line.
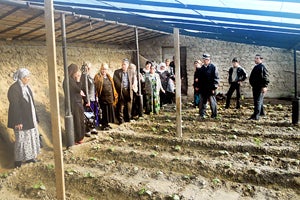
x=23 y=119
x=164 y=78
x=76 y=95
x=107 y=96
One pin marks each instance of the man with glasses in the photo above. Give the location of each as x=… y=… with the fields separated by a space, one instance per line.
x=259 y=80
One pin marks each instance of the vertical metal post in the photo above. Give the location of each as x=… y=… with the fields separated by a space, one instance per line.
x=138 y=71
x=295 y=73
x=54 y=101
x=178 y=82
x=295 y=101
x=69 y=123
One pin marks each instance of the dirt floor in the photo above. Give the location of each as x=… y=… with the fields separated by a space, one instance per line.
x=225 y=158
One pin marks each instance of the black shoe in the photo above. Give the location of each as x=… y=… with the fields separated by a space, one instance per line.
x=94 y=131
x=18 y=164
x=253 y=118
x=106 y=128
x=31 y=161
x=88 y=134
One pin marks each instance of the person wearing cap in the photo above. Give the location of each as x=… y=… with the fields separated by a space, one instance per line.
x=208 y=81
x=124 y=80
x=259 y=80
x=236 y=75
x=23 y=119
x=197 y=65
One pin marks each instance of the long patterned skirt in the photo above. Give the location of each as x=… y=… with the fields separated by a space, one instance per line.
x=27 y=144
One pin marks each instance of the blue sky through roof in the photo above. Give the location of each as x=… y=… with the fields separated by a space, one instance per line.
x=228 y=18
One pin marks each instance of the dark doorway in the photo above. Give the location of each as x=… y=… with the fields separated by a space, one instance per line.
x=168 y=52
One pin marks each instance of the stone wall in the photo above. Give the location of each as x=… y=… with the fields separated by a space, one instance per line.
x=279 y=62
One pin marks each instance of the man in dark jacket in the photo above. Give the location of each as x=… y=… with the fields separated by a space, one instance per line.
x=259 y=80
x=123 y=80
x=237 y=74
x=208 y=81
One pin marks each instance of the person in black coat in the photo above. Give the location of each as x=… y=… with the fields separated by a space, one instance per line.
x=22 y=118
x=208 y=81
x=197 y=65
x=259 y=80
x=236 y=75
x=76 y=102
x=164 y=79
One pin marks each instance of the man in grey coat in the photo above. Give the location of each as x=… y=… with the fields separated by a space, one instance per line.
x=123 y=80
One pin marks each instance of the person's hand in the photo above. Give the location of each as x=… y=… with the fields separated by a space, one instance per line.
x=213 y=92
x=82 y=93
x=77 y=77
x=196 y=80
x=163 y=90
x=264 y=90
x=19 y=127
x=196 y=88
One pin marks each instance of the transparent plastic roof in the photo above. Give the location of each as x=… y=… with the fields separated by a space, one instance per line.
x=274 y=23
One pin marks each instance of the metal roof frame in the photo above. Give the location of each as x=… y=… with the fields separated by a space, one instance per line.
x=192 y=19
x=21 y=20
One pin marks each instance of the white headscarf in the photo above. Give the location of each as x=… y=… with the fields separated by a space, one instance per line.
x=18 y=75
x=21 y=73
x=162 y=65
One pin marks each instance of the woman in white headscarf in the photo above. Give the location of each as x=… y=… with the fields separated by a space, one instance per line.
x=22 y=119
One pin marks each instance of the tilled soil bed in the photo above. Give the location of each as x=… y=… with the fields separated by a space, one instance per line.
x=225 y=158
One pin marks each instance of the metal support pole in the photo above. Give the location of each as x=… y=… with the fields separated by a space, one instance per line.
x=54 y=101
x=138 y=71
x=178 y=82
x=69 y=123
x=295 y=73
x=295 y=101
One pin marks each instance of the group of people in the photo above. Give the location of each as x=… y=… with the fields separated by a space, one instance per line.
x=158 y=85
x=206 y=81
x=115 y=99
x=117 y=96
